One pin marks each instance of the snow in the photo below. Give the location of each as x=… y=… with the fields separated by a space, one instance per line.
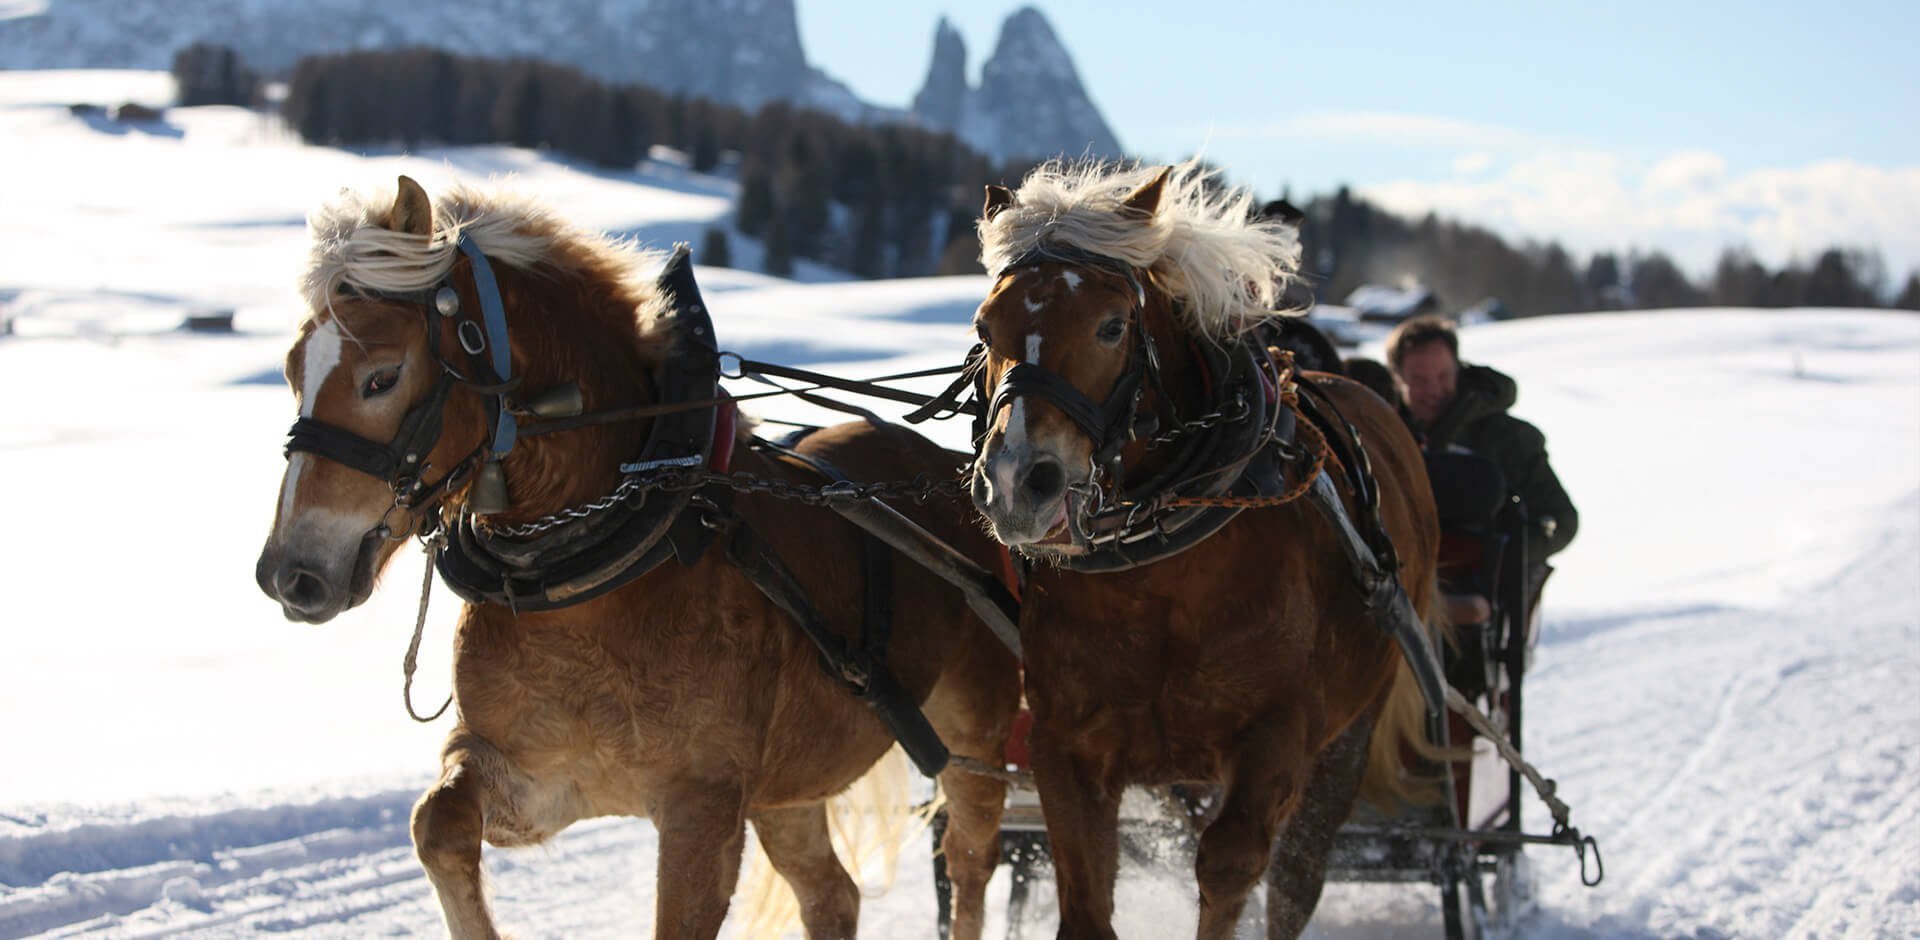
x=1726 y=687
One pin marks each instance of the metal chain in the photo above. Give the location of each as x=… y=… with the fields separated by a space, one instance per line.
x=678 y=479
x=1238 y=413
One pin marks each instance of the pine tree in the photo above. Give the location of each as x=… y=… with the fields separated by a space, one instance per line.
x=1909 y=298
x=715 y=252
x=756 y=202
x=779 y=260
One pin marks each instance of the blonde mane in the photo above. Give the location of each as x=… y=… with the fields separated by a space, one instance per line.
x=352 y=246
x=1203 y=245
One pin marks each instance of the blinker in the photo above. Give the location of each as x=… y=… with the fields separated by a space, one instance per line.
x=447 y=301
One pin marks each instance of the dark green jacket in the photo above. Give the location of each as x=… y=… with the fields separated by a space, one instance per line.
x=1477 y=422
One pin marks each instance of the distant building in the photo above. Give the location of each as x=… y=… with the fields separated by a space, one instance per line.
x=1486 y=311
x=1381 y=304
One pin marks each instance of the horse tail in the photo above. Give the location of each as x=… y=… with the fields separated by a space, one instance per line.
x=1404 y=765
x=870 y=821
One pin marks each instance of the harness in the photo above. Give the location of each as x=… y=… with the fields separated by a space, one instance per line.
x=586 y=553
x=635 y=529
x=1234 y=457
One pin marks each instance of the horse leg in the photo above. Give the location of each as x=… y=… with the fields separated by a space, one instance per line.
x=702 y=829
x=1083 y=822
x=1266 y=781
x=480 y=795
x=971 y=845
x=1299 y=868
x=447 y=827
x=797 y=843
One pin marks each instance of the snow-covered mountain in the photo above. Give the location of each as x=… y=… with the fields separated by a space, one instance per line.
x=1030 y=101
x=742 y=52
x=745 y=52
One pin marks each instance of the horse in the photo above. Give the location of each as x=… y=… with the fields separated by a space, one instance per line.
x=614 y=655
x=1186 y=619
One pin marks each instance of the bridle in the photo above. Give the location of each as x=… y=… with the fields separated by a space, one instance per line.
x=401 y=463
x=1109 y=424
x=1234 y=445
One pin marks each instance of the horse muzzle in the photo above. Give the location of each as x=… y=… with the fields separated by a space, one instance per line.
x=1024 y=495
x=312 y=591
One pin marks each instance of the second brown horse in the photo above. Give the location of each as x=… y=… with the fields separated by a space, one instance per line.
x=1248 y=660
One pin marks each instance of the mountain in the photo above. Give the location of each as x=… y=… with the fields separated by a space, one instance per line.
x=1030 y=102
x=742 y=52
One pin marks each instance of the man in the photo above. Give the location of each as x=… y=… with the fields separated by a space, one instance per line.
x=1463 y=409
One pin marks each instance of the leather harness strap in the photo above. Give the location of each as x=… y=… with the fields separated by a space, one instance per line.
x=861 y=667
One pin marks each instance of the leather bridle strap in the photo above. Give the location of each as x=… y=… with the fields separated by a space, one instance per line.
x=1102 y=423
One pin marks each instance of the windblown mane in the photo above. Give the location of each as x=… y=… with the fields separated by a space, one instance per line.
x=1203 y=245
x=352 y=246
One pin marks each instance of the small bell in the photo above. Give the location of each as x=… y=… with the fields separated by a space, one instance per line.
x=489 y=490
x=560 y=401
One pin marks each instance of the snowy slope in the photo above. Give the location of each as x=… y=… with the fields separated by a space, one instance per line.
x=1725 y=690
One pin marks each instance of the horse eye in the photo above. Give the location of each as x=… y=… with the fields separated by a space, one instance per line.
x=1112 y=330
x=986 y=336
x=381 y=382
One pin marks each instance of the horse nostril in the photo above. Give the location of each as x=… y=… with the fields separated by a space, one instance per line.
x=303 y=590
x=1044 y=481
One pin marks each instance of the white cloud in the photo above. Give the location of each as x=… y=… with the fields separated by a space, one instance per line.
x=1686 y=203
x=1472 y=164
x=1691 y=203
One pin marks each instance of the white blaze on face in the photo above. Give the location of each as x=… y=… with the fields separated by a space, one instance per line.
x=1073 y=280
x=322 y=357
x=1014 y=444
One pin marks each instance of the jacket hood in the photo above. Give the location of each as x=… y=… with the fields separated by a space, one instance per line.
x=1495 y=390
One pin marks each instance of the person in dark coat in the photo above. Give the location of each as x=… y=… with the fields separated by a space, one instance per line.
x=1460 y=408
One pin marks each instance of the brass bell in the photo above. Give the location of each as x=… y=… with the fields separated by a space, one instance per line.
x=489 y=490
x=560 y=401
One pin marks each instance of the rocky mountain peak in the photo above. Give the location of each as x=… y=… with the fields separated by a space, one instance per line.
x=943 y=96
x=1030 y=102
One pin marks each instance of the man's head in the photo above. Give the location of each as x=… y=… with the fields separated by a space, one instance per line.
x=1424 y=353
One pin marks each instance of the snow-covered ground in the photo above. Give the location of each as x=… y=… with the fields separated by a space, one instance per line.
x=1726 y=688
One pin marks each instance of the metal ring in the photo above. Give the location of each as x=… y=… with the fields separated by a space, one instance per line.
x=738 y=369
x=472 y=338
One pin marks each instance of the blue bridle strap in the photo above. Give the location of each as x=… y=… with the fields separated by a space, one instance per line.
x=506 y=430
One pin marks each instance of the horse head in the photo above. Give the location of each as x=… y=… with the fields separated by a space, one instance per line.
x=1102 y=279
x=410 y=382
x=380 y=428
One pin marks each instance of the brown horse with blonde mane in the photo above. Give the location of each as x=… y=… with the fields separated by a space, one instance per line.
x=654 y=681
x=1186 y=618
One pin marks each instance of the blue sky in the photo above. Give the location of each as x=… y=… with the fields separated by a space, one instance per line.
x=1684 y=126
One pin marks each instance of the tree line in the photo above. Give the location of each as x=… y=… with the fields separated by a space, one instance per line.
x=875 y=200
x=1349 y=242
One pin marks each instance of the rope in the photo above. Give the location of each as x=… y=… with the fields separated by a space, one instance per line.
x=1484 y=725
x=419 y=626
x=1019 y=778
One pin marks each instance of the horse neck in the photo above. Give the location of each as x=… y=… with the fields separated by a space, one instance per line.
x=581 y=333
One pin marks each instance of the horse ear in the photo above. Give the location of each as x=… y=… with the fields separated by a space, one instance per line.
x=412 y=213
x=1145 y=201
x=998 y=198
